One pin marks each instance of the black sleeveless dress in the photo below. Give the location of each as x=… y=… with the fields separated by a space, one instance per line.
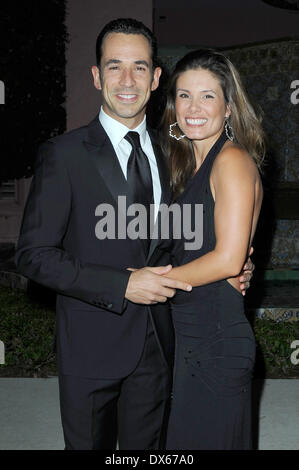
x=215 y=345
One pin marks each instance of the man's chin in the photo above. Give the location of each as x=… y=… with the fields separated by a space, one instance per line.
x=130 y=113
x=126 y=112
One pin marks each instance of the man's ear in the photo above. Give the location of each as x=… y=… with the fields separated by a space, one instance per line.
x=96 y=77
x=156 y=78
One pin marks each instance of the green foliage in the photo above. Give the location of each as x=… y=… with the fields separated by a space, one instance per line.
x=274 y=350
x=27 y=329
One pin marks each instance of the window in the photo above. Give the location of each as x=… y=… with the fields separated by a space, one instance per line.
x=8 y=190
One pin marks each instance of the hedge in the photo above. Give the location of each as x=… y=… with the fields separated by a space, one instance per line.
x=27 y=329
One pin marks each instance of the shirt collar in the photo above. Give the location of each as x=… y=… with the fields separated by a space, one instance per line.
x=116 y=131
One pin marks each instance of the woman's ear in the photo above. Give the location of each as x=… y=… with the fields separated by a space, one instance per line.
x=228 y=111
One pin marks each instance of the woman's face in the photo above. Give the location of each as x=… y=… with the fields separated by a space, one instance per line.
x=200 y=105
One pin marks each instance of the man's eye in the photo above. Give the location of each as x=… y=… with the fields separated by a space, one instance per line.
x=140 y=69
x=113 y=67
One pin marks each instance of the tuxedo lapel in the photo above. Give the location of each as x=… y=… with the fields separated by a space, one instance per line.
x=103 y=156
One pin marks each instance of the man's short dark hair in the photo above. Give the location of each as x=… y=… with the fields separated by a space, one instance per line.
x=126 y=26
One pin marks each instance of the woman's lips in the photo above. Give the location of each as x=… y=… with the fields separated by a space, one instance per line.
x=196 y=121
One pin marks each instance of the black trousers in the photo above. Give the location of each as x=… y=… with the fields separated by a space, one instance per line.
x=133 y=410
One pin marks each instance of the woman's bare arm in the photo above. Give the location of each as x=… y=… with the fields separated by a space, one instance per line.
x=234 y=181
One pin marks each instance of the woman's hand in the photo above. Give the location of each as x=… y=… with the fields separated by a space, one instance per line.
x=246 y=273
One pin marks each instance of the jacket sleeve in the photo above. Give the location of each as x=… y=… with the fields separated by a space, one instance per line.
x=40 y=254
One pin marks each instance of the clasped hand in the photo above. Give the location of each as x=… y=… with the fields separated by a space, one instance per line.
x=150 y=285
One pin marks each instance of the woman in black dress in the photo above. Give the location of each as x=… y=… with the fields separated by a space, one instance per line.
x=215 y=146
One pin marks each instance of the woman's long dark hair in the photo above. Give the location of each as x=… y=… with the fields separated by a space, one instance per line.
x=243 y=118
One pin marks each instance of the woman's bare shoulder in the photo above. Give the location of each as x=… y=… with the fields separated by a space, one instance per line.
x=232 y=155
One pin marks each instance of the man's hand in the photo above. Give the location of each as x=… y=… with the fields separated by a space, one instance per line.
x=246 y=274
x=149 y=286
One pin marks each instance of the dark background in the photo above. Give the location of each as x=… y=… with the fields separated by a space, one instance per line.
x=32 y=67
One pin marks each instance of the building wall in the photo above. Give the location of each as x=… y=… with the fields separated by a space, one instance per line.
x=11 y=212
x=84 y=21
x=218 y=23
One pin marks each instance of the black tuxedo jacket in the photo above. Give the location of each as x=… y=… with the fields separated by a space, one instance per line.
x=99 y=333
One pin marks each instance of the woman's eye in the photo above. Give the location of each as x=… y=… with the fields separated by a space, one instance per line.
x=207 y=97
x=183 y=95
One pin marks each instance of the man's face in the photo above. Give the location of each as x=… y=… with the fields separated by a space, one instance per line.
x=126 y=78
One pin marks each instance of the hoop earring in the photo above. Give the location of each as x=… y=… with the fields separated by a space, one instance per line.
x=229 y=131
x=172 y=135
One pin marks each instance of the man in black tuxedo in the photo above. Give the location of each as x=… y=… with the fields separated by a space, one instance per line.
x=114 y=330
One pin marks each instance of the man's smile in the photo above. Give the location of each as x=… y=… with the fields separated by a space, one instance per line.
x=127 y=98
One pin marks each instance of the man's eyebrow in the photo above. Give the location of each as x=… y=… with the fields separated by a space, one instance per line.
x=112 y=61
x=117 y=61
x=142 y=62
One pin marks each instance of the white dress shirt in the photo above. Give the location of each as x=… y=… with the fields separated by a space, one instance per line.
x=116 y=132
